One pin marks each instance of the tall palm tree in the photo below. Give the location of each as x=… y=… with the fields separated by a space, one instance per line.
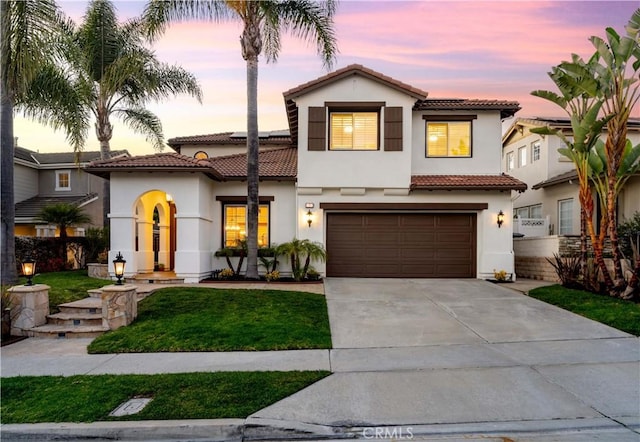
x=263 y=23
x=63 y=215
x=30 y=39
x=617 y=74
x=117 y=75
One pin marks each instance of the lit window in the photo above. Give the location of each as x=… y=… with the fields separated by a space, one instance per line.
x=354 y=131
x=235 y=225
x=449 y=139
x=63 y=180
x=201 y=155
x=510 y=162
x=522 y=157
x=565 y=217
x=535 y=151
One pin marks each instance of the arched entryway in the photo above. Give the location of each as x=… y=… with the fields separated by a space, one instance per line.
x=155 y=231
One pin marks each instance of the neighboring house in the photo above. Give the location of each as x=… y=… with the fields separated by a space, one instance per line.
x=552 y=193
x=42 y=179
x=392 y=183
x=548 y=212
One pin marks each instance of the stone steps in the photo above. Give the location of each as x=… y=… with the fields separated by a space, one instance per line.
x=156 y=278
x=75 y=319
x=52 y=331
x=88 y=305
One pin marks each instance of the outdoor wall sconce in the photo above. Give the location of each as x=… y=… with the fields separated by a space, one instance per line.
x=309 y=206
x=168 y=197
x=29 y=269
x=500 y=219
x=118 y=267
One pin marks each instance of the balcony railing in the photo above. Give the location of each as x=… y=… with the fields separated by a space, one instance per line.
x=531 y=226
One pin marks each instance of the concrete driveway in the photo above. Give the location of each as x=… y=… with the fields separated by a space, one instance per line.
x=451 y=357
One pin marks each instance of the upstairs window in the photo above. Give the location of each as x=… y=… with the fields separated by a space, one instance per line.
x=511 y=164
x=63 y=180
x=354 y=131
x=522 y=157
x=535 y=151
x=449 y=136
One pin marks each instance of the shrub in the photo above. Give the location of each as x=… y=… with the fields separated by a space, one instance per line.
x=272 y=276
x=226 y=273
x=568 y=269
x=629 y=235
x=50 y=254
x=500 y=275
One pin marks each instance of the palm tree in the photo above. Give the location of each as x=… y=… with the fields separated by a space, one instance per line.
x=578 y=99
x=116 y=75
x=63 y=215
x=617 y=74
x=263 y=23
x=30 y=32
x=297 y=250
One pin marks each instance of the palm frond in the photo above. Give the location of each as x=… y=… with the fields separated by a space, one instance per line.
x=143 y=121
x=158 y=14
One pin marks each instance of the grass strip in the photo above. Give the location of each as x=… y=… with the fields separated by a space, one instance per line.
x=617 y=313
x=202 y=319
x=175 y=396
x=67 y=286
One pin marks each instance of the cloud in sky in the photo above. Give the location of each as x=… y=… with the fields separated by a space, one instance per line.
x=464 y=49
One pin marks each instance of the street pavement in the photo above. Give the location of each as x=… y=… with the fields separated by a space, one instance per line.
x=411 y=360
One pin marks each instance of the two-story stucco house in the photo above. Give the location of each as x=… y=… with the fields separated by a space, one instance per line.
x=552 y=193
x=42 y=179
x=391 y=182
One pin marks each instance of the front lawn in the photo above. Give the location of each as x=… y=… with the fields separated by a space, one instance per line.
x=175 y=396
x=67 y=286
x=202 y=319
x=617 y=313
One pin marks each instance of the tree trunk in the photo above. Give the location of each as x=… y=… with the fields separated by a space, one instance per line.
x=9 y=274
x=104 y=132
x=251 y=47
x=597 y=240
x=583 y=250
x=614 y=148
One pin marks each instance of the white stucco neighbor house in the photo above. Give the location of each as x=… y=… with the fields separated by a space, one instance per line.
x=391 y=182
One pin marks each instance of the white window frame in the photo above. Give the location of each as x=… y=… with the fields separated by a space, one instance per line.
x=510 y=161
x=563 y=228
x=531 y=210
x=59 y=173
x=535 y=151
x=522 y=156
x=354 y=145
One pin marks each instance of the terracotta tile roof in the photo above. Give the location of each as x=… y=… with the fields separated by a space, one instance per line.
x=278 y=163
x=354 y=69
x=466 y=182
x=506 y=108
x=169 y=161
x=272 y=138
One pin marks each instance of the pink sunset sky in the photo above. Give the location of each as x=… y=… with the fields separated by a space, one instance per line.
x=452 y=49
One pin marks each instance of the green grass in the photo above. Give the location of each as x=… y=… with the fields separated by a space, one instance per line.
x=617 y=313
x=202 y=319
x=175 y=396
x=67 y=286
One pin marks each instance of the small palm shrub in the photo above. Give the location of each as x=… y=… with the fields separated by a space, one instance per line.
x=568 y=270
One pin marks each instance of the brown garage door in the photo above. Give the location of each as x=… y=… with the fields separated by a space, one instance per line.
x=385 y=245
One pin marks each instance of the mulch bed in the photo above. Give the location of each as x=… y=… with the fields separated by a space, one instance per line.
x=6 y=340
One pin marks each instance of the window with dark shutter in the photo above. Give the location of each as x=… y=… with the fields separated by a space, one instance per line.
x=393 y=129
x=317 y=139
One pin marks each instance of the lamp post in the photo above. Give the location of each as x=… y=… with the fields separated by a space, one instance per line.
x=118 y=267
x=29 y=269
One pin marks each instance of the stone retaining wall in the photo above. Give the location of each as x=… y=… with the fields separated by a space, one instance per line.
x=532 y=267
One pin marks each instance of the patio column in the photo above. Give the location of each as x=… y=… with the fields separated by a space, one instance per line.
x=163 y=253
x=145 y=246
x=193 y=255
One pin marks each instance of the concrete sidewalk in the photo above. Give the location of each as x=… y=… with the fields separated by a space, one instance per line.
x=436 y=359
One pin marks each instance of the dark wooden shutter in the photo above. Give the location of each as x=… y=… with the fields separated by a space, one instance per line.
x=317 y=139
x=393 y=129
